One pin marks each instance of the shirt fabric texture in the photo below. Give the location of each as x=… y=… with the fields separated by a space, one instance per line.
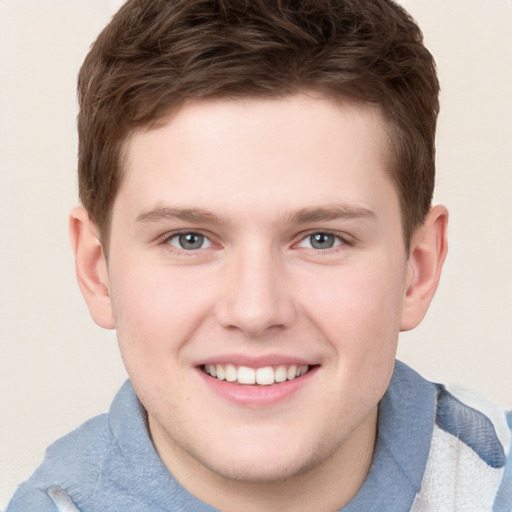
x=439 y=449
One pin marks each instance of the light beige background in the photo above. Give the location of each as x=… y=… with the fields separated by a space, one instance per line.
x=57 y=368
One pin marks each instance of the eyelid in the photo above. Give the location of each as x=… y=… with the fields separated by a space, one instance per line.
x=165 y=240
x=344 y=238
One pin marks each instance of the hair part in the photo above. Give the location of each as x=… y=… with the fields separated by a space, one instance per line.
x=156 y=55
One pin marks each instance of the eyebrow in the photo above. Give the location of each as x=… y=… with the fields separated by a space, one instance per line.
x=193 y=215
x=301 y=216
x=331 y=212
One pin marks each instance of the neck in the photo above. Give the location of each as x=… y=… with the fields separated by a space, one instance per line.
x=326 y=487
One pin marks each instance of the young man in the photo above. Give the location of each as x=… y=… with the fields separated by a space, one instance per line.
x=256 y=180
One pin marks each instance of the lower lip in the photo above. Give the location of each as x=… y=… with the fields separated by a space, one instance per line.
x=255 y=395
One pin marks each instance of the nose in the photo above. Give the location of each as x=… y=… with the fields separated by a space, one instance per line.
x=256 y=296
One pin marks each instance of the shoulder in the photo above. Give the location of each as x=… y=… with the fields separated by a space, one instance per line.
x=469 y=461
x=74 y=460
x=107 y=464
x=473 y=420
x=80 y=461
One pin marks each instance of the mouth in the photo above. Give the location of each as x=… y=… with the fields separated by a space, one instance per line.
x=264 y=376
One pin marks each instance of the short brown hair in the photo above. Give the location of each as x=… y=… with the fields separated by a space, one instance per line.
x=157 y=54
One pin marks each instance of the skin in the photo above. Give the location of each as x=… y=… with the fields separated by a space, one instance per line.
x=257 y=178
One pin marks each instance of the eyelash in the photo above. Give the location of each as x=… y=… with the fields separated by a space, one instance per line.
x=342 y=239
x=166 y=240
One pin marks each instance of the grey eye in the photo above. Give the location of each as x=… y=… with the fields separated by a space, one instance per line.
x=189 y=241
x=320 y=241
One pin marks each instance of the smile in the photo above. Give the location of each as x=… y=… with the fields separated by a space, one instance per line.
x=265 y=376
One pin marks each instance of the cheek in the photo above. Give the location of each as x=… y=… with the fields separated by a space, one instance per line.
x=153 y=311
x=155 y=297
x=358 y=310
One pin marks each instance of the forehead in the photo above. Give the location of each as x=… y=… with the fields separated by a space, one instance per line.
x=293 y=152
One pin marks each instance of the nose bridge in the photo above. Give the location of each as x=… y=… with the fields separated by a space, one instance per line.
x=257 y=296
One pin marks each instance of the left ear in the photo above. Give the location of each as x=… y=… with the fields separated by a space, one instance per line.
x=426 y=257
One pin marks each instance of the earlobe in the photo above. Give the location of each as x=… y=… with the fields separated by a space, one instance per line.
x=427 y=254
x=91 y=267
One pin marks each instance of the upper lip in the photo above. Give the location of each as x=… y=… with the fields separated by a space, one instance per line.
x=256 y=361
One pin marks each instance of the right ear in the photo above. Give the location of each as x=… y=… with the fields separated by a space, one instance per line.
x=91 y=267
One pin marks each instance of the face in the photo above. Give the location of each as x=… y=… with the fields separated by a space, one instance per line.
x=257 y=272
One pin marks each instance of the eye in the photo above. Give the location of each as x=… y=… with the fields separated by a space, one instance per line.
x=321 y=241
x=189 y=241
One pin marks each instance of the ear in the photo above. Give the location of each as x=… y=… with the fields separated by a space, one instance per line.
x=91 y=267
x=426 y=257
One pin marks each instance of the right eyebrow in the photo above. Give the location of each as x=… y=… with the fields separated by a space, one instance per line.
x=193 y=215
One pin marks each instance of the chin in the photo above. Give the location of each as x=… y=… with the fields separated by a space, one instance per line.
x=263 y=463
x=268 y=471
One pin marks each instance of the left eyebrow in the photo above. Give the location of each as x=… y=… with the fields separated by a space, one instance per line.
x=331 y=212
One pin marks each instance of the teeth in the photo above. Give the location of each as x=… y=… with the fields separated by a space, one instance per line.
x=264 y=376
x=246 y=375
x=280 y=374
x=221 y=374
x=301 y=370
x=291 y=373
x=231 y=373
